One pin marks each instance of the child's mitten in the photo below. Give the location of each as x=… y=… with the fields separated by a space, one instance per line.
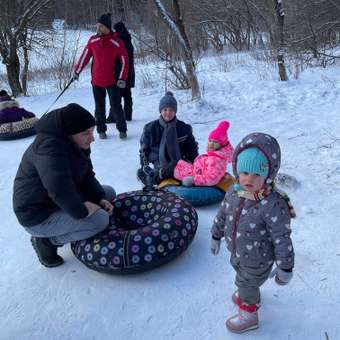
x=188 y=181
x=282 y=277
x=215 y=246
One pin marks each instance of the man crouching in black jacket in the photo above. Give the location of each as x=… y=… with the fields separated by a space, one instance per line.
x=164 y=142
x=56 y=197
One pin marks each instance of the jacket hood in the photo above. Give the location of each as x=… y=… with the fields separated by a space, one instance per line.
x=268 y=145
x=51 y=124
x=122 y=31
x=125 y=36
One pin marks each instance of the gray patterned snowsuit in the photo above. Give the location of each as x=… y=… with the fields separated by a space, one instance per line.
x=257 y=232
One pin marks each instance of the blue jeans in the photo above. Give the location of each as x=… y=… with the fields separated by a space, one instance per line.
x=60 y=228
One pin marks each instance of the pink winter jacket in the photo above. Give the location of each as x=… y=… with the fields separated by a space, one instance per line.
x=208 y=169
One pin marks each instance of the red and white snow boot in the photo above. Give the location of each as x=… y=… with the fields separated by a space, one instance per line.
x=243 y=321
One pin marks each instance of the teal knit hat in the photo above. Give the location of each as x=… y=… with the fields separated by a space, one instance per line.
x=252 y=160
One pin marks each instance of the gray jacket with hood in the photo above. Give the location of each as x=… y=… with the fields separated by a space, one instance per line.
x=257 y=232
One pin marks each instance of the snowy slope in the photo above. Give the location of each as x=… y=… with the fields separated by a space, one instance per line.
x=190 y=297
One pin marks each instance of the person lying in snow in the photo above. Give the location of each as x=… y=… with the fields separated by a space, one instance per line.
x=208 y=169
x=254 y=219
x=10 y=110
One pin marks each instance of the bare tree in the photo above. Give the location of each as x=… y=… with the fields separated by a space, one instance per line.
x=178 y=32
x=280 y=14
x=15 y=20
x=177 y=27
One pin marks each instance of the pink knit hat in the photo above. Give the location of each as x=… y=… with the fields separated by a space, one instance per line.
x=220 y=134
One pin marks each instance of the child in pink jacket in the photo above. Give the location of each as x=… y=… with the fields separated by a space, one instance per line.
x=208 y=169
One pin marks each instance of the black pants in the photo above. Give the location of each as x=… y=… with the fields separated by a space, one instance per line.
x=99 y=94
x=126 y=95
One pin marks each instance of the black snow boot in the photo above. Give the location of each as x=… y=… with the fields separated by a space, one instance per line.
x=110 y=119
x=47 y=252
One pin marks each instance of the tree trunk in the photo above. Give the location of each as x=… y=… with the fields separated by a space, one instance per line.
x=191 y=73
x=13 y=72
x=24 y=73
x=189 y=60
x=176 y=25
x=280 y=39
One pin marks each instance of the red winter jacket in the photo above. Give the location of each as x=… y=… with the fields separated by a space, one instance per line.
x=104 y=50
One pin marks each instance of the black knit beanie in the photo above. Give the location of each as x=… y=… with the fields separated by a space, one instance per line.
x=105 y=19
x=76 y=119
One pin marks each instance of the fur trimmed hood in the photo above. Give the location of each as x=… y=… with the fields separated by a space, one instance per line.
x=8 y=104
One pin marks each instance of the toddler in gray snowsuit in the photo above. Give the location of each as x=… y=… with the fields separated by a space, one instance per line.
x=254 y=218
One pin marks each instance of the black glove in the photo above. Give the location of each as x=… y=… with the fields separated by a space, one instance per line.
x=168 y=171
x=151 y=177
x=75 y=76
x=148 y=170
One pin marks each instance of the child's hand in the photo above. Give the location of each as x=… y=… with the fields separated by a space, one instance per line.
x=215 y=246
x=282 y=277
x=188 y=181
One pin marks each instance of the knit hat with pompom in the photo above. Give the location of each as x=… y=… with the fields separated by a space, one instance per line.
x=168 y=100
x=220 y=134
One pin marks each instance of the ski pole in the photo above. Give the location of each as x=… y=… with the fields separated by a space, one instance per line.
x=62 y=92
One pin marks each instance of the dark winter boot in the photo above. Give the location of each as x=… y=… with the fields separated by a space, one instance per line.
x=46 y=251
x=102 y=135
x=122 y=135
x=110 y=119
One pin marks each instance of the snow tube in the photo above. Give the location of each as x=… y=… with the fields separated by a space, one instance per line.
x=147 y=230
x=199 y=196
x=15 y=130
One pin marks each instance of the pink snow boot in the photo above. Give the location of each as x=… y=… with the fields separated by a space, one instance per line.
x=243 y=321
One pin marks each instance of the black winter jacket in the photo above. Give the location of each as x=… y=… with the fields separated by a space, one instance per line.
x=126 y=38
x=53 y=174
x=151 y=139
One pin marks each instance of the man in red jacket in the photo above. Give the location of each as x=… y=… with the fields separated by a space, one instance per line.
x=105 y=48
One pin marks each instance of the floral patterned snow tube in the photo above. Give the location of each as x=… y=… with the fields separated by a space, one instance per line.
x=15 y=130
x=147 y=230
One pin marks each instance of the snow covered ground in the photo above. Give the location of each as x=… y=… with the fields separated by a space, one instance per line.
x=190 y=297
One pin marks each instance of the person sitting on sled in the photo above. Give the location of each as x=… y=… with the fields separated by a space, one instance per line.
x=208 y=169
x=10 y=110
x=164 y=142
